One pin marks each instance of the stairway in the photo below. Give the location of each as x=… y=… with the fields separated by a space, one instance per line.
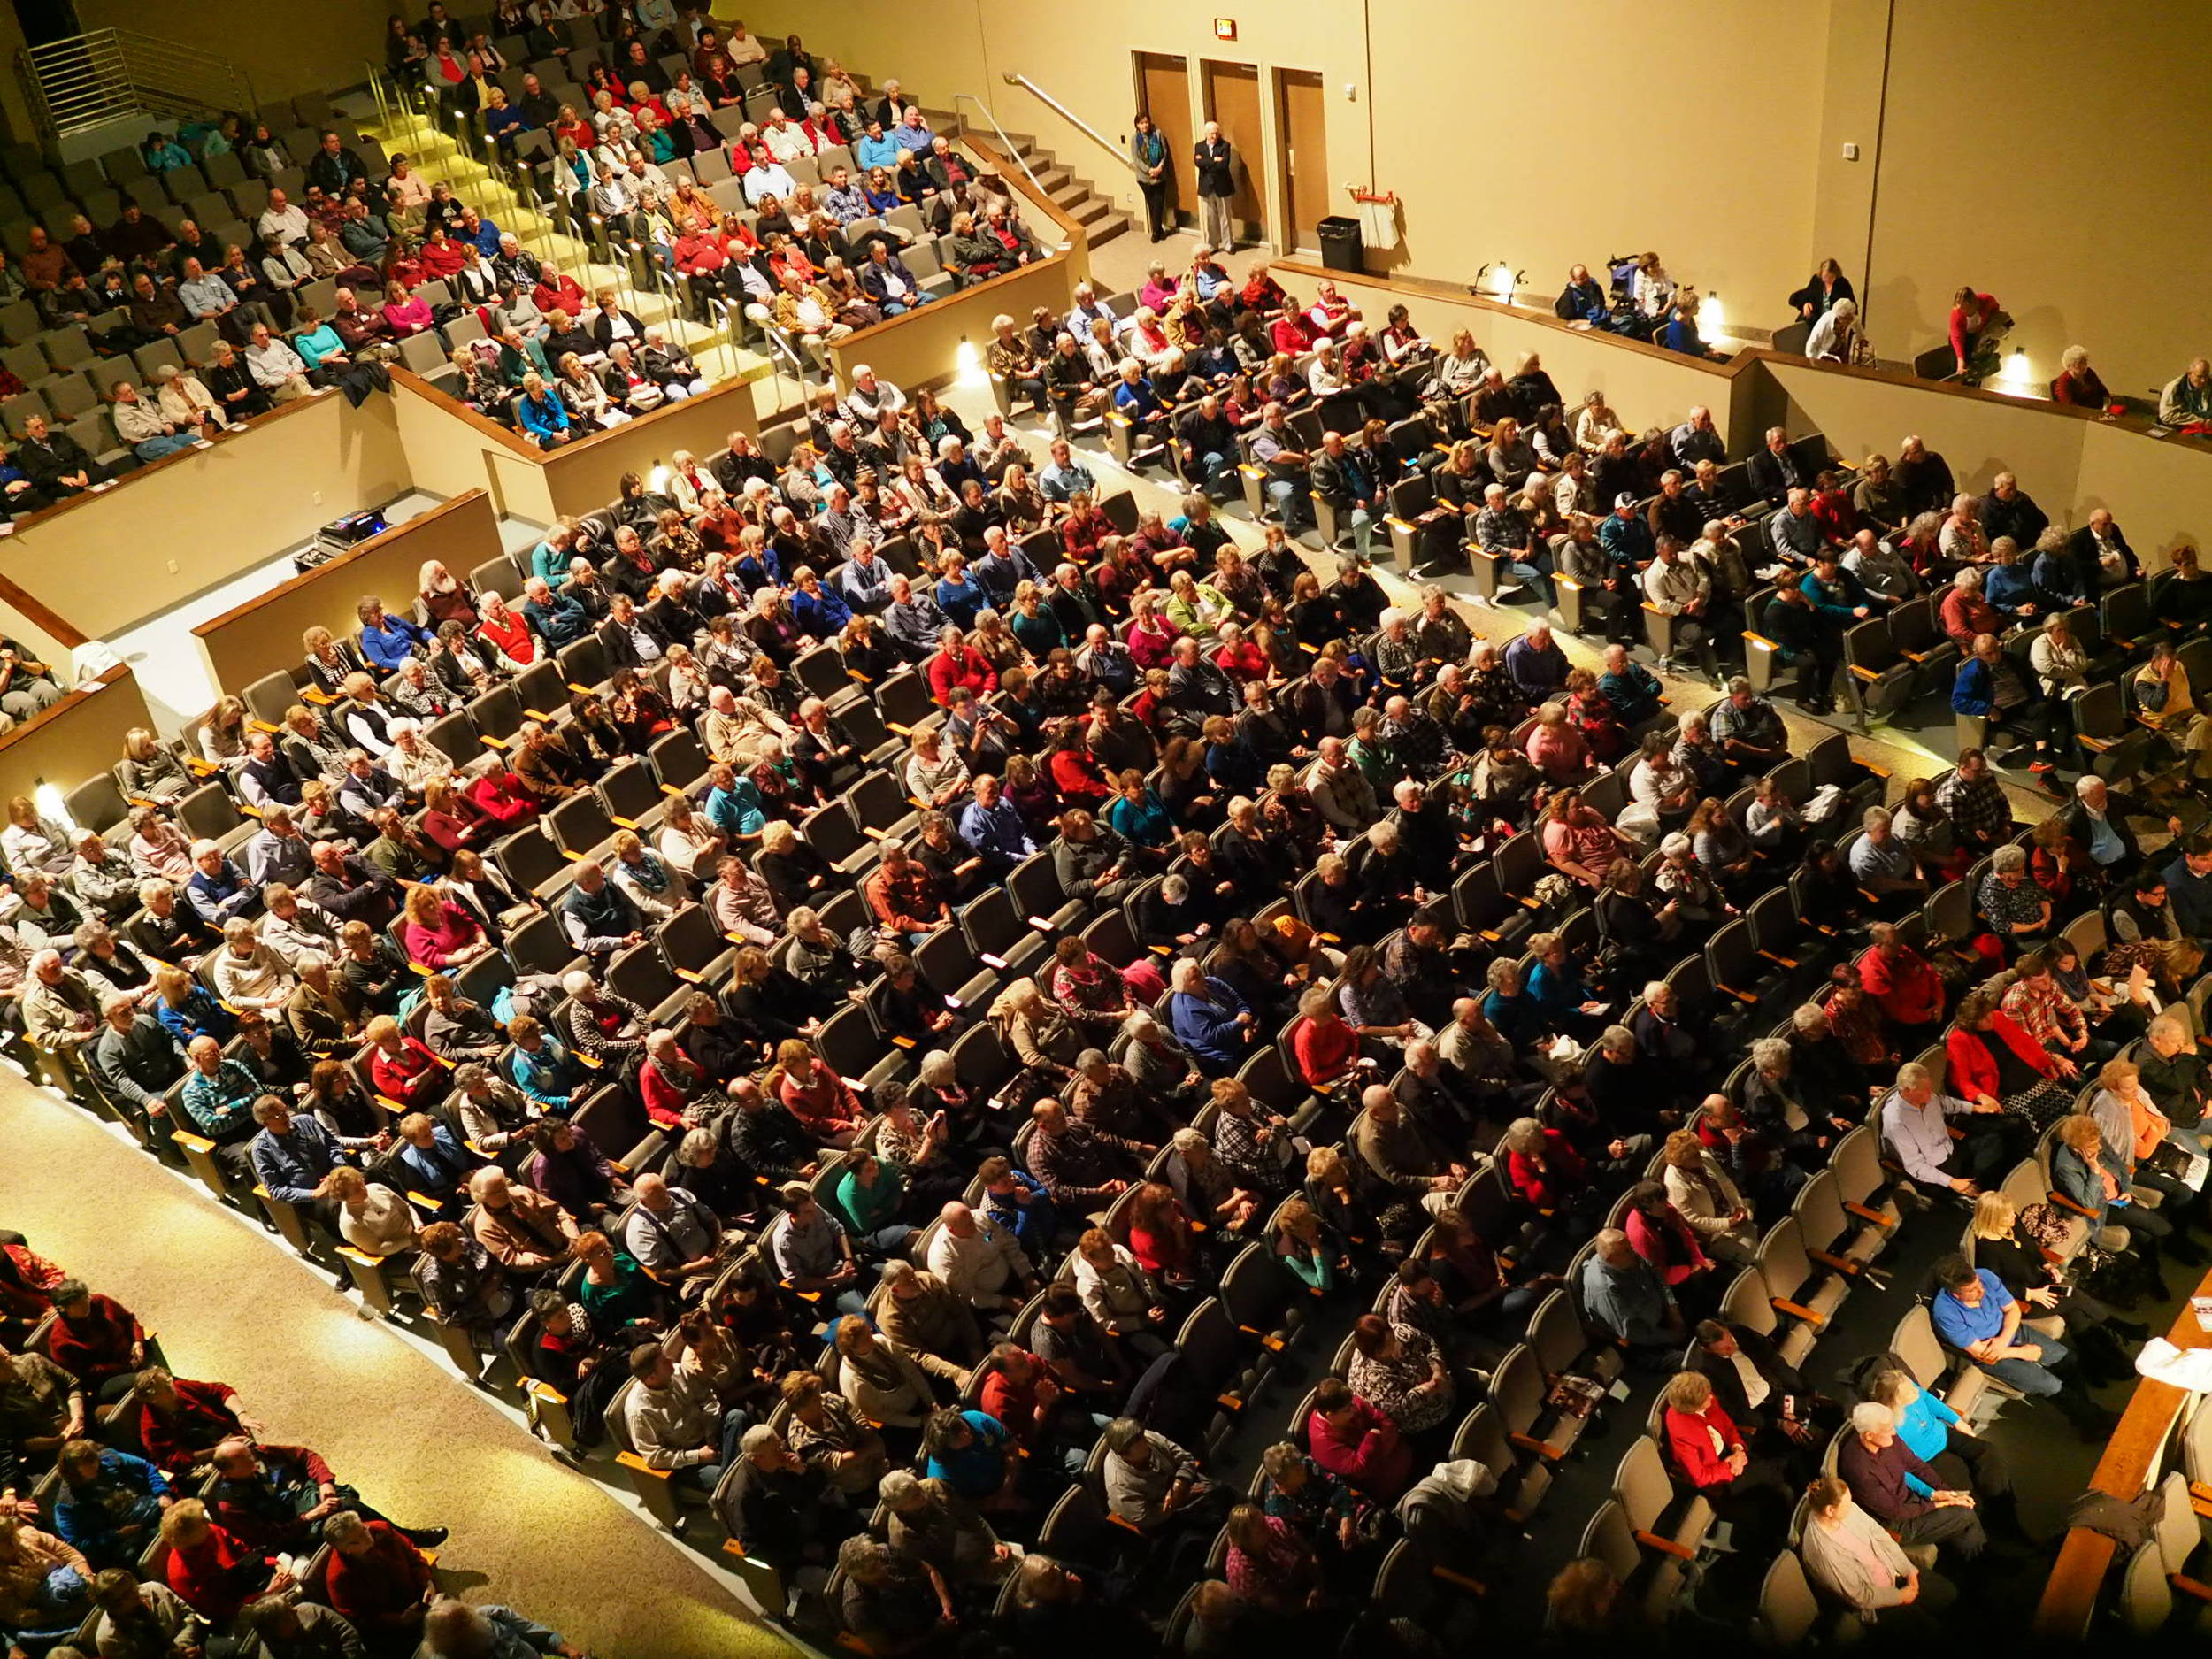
x=1075 y=196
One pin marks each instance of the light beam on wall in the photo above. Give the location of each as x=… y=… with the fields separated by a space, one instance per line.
x=1712 y=321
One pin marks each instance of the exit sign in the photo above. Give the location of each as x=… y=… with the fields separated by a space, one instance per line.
x=1224 y=28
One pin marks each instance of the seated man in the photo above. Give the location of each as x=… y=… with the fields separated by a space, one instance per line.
x=783 y=1511
x=1975 y=1314
x=1915 y=1123
x=275 y=1497
x=1887 y=1481
x=1156 y=1486
x=675 y=1417
x=109 y=1503
x=1624 y=1295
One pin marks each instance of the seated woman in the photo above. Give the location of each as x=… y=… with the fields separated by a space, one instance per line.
x=1708 y=1451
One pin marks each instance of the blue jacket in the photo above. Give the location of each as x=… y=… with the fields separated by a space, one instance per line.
x=291 y=1166
x=1210 y=1029
x=1975 y=690
x=999 y=834
x=1032 y=1224
x=2009 y=586
x=559 y=622
x=1628 y=541
x=2190 y=897
x=198 y=1013
x=127 y=1490
x=544 y=1075
x=821 y=613
x=541 y=417
x=393 y=643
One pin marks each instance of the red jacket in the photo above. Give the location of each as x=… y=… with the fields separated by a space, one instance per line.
x=1972 y=1071
x=1910 y=990
x=100 y=1347
x=1324 y=1053
x=203 y=1418
x=1690 y=1438
x=217 y=1578
x=413 y=1078
x=1561 y=1177
x=376 y=1592
x=1371 y=1456
x=564 y=295
x=968 y=668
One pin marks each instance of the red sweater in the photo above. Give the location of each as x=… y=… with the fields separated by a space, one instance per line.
x=202 y=1417
x=1560 y=1176
x=1970 y=1070
x=97 y=1348
x=413 y=1077
x=1909 y=990
x=1690 y=1438
x=1324 y=1052
x=218 y=1576
x=968 y=668
x=378 y=1591
x=1370 y=1454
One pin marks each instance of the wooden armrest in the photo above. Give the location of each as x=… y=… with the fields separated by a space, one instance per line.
x=637 y=1465
x=997 y=964
x=547 y=714
x=1834 y=1263
x=1874 y=1216
x=543 y=1390
x=1039 y=923
x=902 y=1043
x=2064 y=1203
x=348 y=1253
x=874 y=834
x=670 y=788
x=316 y=693
x=1229 y=1403
x=591 y=1061
x=1459 y=1580
x=2189 y=1586
x=1273 y=1344
x=1124 y=1523
x=1741 y=997
x=191 y=1142
x=1665 y=1546
x=573 y=686
x=1760 y=639
x=261 y=725
x=492 y=742
x=2094 y=745
x=1862 y=671
x=1785 y=962
x=688 y=975
x=1544 y=1450
x=622 y=823
x=734 y=1549
x=1797 y=1310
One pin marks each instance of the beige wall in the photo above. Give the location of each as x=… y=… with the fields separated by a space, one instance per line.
x=589 y=474
x=78 y=736
x=282 y=47
x=257 y=639
x=1701 y=102
x=2049 y=152
x=923 y=345
x=153 y=541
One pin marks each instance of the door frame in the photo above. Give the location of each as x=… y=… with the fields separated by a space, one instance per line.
x=1284 y=232
x=1263 y=185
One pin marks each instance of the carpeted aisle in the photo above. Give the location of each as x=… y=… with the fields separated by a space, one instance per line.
x=231 y=1303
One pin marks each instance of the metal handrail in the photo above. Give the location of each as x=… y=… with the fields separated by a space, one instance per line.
x=1011 y=149
x=83 y=79
x=1071 y=119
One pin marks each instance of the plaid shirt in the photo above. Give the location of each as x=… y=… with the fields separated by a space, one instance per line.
x=1419 y=743
x=2045 y=1013
x=1978 y=810
x=1757 y=724
x=1237 y=1146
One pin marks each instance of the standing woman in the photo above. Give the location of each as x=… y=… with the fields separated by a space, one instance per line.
x=1156 y=173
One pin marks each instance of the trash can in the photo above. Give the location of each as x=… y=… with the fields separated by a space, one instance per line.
x=1341 y=240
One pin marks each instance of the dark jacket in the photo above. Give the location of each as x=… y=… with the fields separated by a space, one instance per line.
x=1217 y=167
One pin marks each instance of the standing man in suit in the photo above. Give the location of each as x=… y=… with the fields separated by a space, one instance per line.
x=1216 y=185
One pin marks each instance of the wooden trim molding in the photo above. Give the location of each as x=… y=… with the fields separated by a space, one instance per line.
x=38 y=611
x=69 y=700
x=147 y=469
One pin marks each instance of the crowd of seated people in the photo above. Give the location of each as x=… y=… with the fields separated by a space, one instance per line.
x=143 y=1513
x=1011 y=1261
x=816 y=1291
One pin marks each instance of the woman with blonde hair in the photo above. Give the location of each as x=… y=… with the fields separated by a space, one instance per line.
x=150 y=770
x=330 y=661
x=1036 y=1031
x=371 y=1217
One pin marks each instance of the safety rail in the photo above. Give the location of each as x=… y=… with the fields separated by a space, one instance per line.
x=86 y=80
x=1061 y=109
